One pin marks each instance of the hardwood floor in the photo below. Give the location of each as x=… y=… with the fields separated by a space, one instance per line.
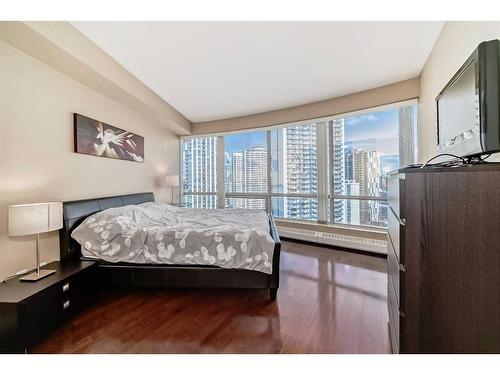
x=329 y=302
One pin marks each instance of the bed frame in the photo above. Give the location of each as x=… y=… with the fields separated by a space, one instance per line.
x=162 y=276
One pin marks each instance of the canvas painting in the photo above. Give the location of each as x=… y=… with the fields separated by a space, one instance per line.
x=96 y=138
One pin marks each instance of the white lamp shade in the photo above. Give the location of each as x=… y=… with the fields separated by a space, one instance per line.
x=172 y=181
x=26 y=219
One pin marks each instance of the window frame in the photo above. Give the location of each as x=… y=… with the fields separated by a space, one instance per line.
x=324 y=194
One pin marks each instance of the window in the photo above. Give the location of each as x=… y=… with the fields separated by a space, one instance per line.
x=363 y=149
x=331 y=170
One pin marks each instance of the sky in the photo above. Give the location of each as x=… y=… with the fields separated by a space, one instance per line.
x=373 y=131
x=241 y=141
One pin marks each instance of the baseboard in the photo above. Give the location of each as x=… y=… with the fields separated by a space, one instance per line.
x=366 y=245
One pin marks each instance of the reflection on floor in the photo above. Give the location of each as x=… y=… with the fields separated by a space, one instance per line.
x=329 y=302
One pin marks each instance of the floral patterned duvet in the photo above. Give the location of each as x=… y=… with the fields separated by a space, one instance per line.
x=164 y=234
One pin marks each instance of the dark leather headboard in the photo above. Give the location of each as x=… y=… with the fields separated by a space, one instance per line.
x=75 y=212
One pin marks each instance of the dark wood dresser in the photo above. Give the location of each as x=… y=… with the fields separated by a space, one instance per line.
x=29 y=311
x=444 y=259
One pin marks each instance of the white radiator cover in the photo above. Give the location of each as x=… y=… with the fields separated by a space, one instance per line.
x=351 y=242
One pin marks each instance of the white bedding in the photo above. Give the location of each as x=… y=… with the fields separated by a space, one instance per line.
x=165 y=234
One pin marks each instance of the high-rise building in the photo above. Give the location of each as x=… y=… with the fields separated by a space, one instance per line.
x=348 y=163
x=366 y=172
x=236 y=174
x=234 y=179
x=199 y=171
x=228 y=167
x=337 y=169
x=255 y=175
x=301 y=170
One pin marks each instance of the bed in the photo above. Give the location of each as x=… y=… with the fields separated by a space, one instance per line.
x=163 y=271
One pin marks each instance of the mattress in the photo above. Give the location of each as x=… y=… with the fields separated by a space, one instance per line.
x=159 y=233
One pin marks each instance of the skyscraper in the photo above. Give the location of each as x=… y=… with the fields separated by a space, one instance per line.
x=337 y=169
x=348 y=163
x=255 y=175
x=301 y=170
x=228 y=167
x=199 y=171
x=366 y=172
x=236 y=174
x=235 y=178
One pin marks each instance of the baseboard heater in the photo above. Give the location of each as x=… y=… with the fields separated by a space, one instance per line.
x=350 y=242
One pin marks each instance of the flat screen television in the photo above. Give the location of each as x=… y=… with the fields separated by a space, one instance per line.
x=468 y=118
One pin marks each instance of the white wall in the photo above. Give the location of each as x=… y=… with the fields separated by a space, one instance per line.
x=455 y=44
x=37 y=162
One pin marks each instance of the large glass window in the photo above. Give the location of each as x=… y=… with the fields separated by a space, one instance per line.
x=330 y=171
x=363 y=149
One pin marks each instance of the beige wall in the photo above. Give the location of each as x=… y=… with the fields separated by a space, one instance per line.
x=393 y=93
x=37 y=162
x=455 y=44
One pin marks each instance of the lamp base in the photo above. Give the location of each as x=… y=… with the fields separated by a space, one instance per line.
x=37 y=276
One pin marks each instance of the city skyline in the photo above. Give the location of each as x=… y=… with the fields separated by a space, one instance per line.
x=362 y=149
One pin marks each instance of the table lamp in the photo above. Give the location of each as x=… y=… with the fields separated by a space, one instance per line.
x=172 y=182
x=35 y=218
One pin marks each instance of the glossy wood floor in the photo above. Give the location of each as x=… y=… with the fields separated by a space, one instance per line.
x=329 y=302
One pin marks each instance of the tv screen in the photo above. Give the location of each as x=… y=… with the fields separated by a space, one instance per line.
x=458 y=115
x=468 y=107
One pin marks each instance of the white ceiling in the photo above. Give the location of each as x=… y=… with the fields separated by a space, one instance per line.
x=215 y=70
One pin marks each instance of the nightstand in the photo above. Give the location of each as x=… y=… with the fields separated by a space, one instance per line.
x=29 y=311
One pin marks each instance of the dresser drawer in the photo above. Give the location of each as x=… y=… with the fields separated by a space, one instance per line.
x=395 y=230
x=394 y=317
x=396 y=272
